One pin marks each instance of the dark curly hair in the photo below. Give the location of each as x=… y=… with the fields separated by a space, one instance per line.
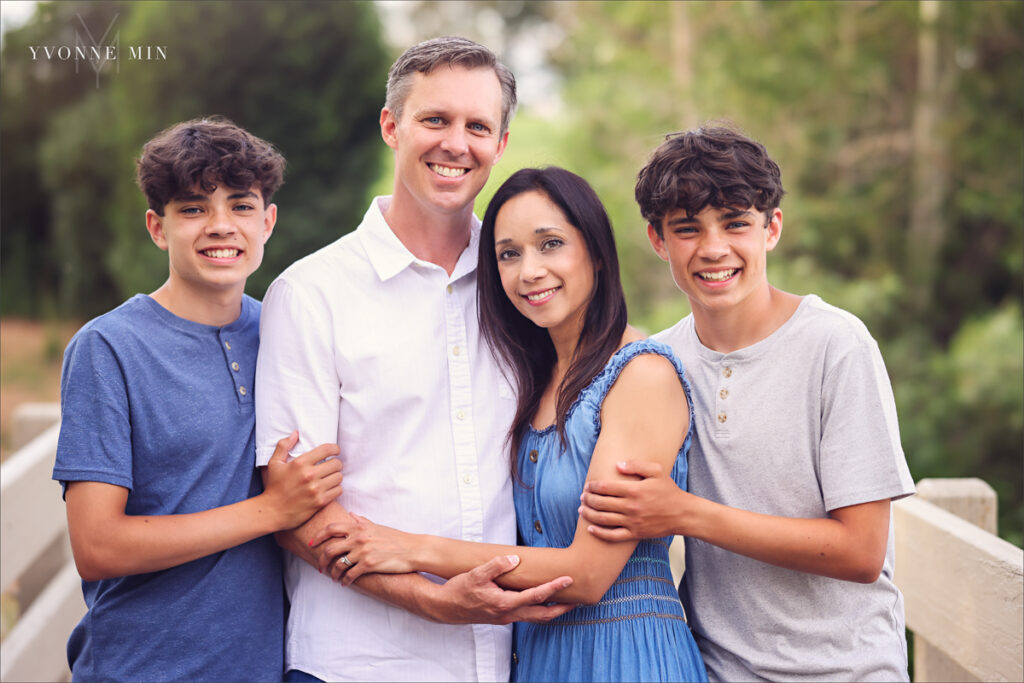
x=202 y=153
x=715 y=166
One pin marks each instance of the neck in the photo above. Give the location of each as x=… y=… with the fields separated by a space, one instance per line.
x=741 y=326
x=218 y=308
x=439 y=238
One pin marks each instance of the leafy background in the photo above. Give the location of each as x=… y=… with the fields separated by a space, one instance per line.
x=898 y=126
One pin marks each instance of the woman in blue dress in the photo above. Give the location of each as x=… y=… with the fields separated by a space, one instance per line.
x=591 y=392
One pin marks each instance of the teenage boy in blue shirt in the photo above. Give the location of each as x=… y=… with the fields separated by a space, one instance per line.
x=796 y=457
x=167 y=513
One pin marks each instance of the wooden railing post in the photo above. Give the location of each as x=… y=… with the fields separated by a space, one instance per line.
x=961 y=583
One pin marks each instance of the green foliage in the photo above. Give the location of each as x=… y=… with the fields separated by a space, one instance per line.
x=308 y=76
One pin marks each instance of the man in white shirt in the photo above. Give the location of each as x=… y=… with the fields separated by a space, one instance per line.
x=372 y=343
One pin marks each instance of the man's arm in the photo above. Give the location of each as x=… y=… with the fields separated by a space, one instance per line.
x=472 y=597
x=850 y=544
x=107 y=543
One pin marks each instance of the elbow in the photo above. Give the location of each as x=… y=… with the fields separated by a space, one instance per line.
x=588 y=588
x=91 y=570
x=865 y=569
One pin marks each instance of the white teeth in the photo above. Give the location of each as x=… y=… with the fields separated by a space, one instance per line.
x=448 y=171
x=221 y=253
x=540 y=295
x=717 y=276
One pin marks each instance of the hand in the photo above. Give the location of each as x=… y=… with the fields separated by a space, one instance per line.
x=296 y=490
x=631 y=510
x=474 y=597
x=369 y=548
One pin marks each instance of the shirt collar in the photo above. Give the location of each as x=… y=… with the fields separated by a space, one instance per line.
x=389 y=256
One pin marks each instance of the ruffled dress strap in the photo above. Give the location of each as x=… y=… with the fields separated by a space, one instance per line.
x=599 y=387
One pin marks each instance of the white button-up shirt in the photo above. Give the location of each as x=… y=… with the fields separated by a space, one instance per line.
x=364 y=345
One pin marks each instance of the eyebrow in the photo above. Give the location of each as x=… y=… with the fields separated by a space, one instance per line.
x=205 y=197
x=538 y=231
x=724 y=212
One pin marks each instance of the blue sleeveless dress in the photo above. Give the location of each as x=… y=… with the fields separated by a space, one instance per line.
x=637 y=631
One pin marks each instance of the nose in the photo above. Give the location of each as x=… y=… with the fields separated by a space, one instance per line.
x=454 y=141
x=221 y=223
x=532 y=268
x=713 y=245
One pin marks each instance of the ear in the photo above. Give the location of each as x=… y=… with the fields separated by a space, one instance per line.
x=657 y=242
x=502 y=144
x=269 y=221
x=155 y=227
x=774 y=228
x=388 y=126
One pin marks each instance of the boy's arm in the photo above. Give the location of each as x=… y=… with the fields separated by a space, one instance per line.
x=850 y=544
x=107 y=543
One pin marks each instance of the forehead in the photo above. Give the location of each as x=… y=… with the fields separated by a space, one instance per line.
x=474 y=91
x=530 y=213
x=197 y=193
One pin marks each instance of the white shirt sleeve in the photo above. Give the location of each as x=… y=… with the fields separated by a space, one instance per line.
x=297 y=383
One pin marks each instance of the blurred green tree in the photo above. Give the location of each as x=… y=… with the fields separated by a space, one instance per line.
x=308 y=76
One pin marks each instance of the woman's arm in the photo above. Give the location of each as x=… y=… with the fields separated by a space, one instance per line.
x=107 y=543
x=645 y=412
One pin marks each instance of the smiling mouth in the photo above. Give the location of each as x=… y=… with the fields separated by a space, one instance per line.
x=541 y=296
x=448 y=171
x=718 y=275
x=220 y=253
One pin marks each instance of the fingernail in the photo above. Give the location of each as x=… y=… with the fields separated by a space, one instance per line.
x=622 y=463
x=514 y=559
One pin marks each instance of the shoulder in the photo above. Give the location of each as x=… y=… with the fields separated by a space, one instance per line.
x=838 y=330
x=650 y=379
x=126 y=321
x=677 y=334
x=328 y=263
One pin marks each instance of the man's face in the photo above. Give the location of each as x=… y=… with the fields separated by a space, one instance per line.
x=213 y=241
x=448 y=138
x=718 y=256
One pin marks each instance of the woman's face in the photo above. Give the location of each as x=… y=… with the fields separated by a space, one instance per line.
x=544 y=264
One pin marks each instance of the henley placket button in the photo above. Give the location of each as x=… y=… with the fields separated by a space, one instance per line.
x=242 y=391
x=234 y=366
x=536 y=525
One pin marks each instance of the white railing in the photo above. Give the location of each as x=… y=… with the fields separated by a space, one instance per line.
x=964 y=586
x=35 y=555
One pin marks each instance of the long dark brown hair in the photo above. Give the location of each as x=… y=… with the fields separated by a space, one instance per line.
x=524 y=350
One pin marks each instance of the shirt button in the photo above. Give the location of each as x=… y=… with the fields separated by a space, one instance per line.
x=450 y=289
x=468 y=479
x=536 y=525
x=227 y=345
x=727 y=372
x=533 y=456
x=242 y=391
x=460 y=415
x=455 y=350
x=724 y=393
x=234 y=366
x=722 y=417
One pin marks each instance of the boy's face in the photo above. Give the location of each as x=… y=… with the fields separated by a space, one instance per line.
x=448 y=138
x=213 y=241
x=718 y=256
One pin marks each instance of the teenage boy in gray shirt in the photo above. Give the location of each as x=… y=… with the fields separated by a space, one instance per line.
x=797 y=457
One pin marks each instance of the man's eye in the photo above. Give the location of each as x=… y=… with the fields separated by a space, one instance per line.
x=479 y=128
